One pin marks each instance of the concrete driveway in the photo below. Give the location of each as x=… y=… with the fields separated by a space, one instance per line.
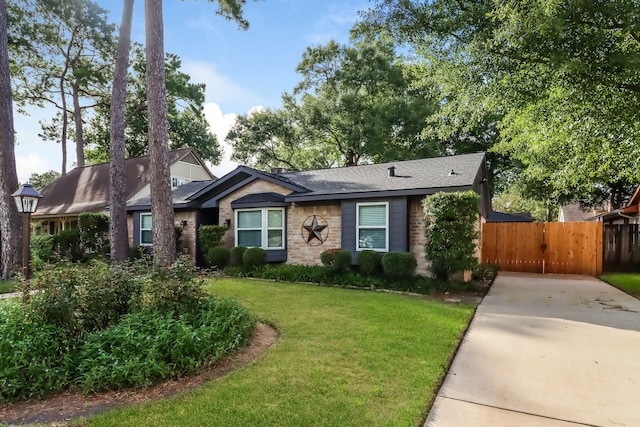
x=548 y=350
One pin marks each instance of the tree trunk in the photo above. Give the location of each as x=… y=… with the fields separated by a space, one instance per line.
x=65 y=123
x=117 y=182
x=10 y=225
x=164 y=245
x=77 y=118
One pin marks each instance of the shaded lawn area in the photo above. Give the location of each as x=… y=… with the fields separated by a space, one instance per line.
x=343 y=358
x=7 y=286
x=628 y=282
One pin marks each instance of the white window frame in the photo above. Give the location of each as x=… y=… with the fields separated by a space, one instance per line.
x=146 y=229
x=264 y=228
x=385 y=227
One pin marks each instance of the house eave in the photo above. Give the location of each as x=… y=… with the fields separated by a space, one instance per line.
x=374 y=194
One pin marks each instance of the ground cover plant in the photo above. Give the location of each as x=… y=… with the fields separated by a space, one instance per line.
x=343 y=357
x=96 y=327
x=628 y=282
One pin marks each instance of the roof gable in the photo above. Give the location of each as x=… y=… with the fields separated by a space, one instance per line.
x=86 y=189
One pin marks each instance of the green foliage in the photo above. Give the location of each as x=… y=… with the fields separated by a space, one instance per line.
x=67 y=245
x=41 y=180
x=370 y=262
x=98 y=327
x=188 y=126
x=336 y=260
x=150 y=346
x=210 y=237
x=94 y=231
x=42 y=250
x=33 y=356
x=512 y=200
x=237 y=254
x=254 y=257
x=484 y=273
x=174 y=290
x=451 y=231
x=82 y=298
x=399 y=265
x=218 y=257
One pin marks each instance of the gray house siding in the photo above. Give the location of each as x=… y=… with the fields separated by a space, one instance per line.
x=398 y=225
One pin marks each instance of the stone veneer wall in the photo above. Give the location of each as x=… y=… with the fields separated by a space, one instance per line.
x=417 y=239
x=299 y=251
x=224 y=205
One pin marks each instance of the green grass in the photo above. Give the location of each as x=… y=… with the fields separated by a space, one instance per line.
x=630 y=282
x=343 y=358
x=7 y=286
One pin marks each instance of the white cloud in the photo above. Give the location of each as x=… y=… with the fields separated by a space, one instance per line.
x=33 y=162
x=220 y=124
x=220 y=88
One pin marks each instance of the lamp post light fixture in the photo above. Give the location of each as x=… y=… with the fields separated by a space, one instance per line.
x=26 y=198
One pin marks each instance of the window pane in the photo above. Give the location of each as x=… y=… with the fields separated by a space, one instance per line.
x=372 y=238
x=374 y=215
x=275 y=239
x=250 y=219
x=145 y=221
x=275 y=219
x=146 y=237
x=250 y=238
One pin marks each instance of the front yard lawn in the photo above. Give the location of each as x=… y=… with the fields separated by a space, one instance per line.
x=343 y=358
x=7 y=286
x=629 y=282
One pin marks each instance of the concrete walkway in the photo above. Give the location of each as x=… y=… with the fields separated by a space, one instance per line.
x=546 y=351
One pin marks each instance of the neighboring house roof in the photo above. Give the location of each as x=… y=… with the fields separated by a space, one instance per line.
x=86 y=189
x=507 y=217
x=181 y=196
x=573 y=212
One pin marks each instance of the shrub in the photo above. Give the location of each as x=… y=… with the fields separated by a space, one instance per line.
x=33 y=358
x=124 y=356
x=139 y=252
x=370 y=262
x=210 y=236
x=218 y=257
x=42 y=250
x=237 y=253
x=451 y=233
x=336 y=260
x=399 y=265
x=67 y=245
x=254 y=257
x=93 y=230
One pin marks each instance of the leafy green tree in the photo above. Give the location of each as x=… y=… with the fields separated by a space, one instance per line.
x=355 y=103
x=70 y=69
x=41 y=180
x=188 y=126
x=562 y=76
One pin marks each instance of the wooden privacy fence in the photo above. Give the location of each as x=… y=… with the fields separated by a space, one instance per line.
x=552 y=247
x=621 y=247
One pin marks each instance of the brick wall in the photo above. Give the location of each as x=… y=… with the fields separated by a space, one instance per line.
x=417 y=239
x=224 y=205
x=188 y=231
x=299 y=251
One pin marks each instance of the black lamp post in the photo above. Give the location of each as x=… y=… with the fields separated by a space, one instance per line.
x=26 y=198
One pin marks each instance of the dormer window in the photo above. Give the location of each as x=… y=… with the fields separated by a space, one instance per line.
x=177 y=182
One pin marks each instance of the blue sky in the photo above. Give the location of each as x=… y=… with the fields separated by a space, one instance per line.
x=242 y=69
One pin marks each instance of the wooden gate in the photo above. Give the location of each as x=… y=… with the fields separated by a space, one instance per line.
x=552 y=247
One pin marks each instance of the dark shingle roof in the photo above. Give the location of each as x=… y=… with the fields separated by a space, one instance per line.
x=86 y=189
x=179 y=194
x=507 y=217
x=414 y=175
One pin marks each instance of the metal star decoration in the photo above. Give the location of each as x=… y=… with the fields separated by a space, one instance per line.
x=315 y=230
